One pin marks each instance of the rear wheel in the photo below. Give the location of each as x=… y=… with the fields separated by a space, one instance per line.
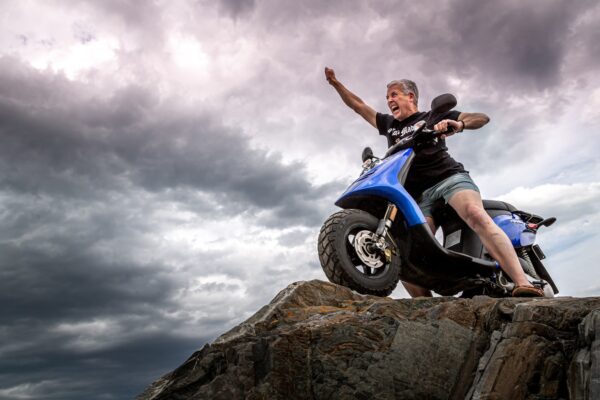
x=350 y=258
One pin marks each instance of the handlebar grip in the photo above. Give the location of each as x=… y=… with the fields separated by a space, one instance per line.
x=449 y=130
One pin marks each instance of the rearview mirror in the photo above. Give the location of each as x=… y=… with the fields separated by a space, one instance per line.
x=367 y=154
x=443 y=103
x=440 y=106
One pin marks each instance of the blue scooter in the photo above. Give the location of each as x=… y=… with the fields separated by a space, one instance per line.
x=381 y=235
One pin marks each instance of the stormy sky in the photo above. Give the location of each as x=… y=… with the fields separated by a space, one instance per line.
x=165 y=166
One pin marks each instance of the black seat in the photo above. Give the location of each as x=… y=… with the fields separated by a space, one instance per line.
x=498 y=205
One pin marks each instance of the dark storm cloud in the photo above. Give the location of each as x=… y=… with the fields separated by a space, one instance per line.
x=54 y=282
x=120 y=372
x=65 y=264
x=64 y=282
x=55 y=271
x=57 y=141
x=508 y=45
x=81 y=174
x=521 y=44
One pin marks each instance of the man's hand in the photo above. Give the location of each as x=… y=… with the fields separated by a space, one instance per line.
x=330 y=76
x=443 y=125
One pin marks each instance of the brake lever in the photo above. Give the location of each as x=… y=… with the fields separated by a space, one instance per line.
x=430 y=134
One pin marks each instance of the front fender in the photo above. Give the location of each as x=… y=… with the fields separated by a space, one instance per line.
x=386 y=181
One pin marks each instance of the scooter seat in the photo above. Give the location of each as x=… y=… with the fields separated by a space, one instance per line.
x=498 y=205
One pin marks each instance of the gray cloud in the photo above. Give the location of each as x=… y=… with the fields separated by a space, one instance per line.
x=85 y=148
x=522 y=45
x=55 y=281
x=293 y=238
x=48 y=372
x=82 y=175
x=236 y=8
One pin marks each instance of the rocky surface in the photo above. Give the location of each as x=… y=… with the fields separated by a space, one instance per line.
x=317 y=340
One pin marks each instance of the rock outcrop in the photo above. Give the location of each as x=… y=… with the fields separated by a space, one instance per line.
x=317 y=340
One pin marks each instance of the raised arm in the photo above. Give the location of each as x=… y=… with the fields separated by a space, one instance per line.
x=351 y=100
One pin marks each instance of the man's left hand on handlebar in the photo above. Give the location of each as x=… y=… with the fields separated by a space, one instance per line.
x=444 y=125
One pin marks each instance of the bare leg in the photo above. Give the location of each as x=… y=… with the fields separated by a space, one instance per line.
x=415 y=290
x=469 y=207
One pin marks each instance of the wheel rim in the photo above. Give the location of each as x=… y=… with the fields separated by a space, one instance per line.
x=363 y=255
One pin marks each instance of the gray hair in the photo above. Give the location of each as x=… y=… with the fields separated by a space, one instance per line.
x=406 y=86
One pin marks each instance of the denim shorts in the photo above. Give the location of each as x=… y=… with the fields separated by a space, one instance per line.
x=445 y=190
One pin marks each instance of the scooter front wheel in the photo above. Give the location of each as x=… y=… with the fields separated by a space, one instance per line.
x=350 y=258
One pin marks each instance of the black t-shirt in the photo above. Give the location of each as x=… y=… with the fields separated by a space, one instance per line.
x=432 y=163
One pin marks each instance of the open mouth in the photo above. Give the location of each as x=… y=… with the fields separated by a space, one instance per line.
x=394 y=108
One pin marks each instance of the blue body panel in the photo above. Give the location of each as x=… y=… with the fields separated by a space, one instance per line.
x=515 y=229
x=382 y=181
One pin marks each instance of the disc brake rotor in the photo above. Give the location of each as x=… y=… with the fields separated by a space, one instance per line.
x=364 y=245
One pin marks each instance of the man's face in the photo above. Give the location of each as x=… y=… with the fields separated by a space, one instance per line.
x=400 y=104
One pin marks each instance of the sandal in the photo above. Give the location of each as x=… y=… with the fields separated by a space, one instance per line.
x=527 y=291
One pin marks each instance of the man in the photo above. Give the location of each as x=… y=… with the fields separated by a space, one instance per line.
x=435 y=175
